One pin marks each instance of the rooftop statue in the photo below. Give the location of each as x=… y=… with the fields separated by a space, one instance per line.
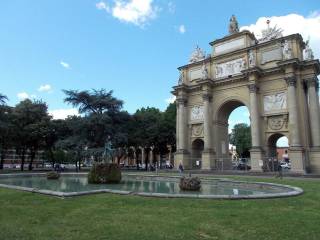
x=252 y=59
x=287 y=50
x=270 y=33
x=197 y=55
x=233 y=25
x=308 y=53
x=204 y=72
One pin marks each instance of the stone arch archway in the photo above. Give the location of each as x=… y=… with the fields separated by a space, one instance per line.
x=278 y=88
x=221 y=116
x=272 y=144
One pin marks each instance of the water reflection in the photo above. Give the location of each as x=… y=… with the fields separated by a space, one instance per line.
x=80 y=183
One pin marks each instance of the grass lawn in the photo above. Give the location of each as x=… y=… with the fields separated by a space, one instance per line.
x=107 y=216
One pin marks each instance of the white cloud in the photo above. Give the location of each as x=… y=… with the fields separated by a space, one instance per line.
x=171 y=99
x=63 y=113
x=292 y=23
x=44 y=88
x=182 y=29
x=103 y=6
x=23 y=96
x=65 y=65
x=137 y=12
x=283 y=142
x=171 y=7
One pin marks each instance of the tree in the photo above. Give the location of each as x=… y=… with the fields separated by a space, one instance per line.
x=241 y=138
x=102 y=114
x=95 y=101
x=29 y=118
x=167 y=131
x=3 y=99
x=6 y=131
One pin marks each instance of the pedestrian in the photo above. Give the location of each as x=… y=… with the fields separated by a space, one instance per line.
x=180 y=167
x=279 y=171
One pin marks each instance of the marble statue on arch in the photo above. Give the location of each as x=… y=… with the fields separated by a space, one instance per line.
x=233 y=25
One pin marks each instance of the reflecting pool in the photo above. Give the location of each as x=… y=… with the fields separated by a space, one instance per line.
x=77 y=184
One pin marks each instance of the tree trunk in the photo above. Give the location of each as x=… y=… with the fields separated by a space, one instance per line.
x=32 y=157
x=23 y=155
x=3 y=155
x=51 y=157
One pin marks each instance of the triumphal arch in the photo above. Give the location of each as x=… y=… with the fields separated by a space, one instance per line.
x=274 y=76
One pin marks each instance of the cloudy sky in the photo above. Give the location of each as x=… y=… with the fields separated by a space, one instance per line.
x=130 y=46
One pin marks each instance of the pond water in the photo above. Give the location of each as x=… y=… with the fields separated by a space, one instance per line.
x=72 y=184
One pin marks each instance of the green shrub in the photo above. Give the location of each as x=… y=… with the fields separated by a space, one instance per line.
x=53 y=175
x=104 y=173
x=190 y=184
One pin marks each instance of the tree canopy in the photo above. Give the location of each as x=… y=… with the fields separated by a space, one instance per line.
x=95 y=101
x=3 y=99
x=241 y=138
x=27 y=127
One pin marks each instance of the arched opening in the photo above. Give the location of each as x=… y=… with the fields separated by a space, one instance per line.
x=234 y=135
x=278 y=145
x=197 y=148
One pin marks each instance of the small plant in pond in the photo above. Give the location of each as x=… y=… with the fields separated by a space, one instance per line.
x=190 y=184
x=53 y=175
x=104 y=173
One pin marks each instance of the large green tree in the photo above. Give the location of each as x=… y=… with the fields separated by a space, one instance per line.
x=102 y=114
x=29 y=119
x=6 y=132
x=3 y=99
x=241 y=138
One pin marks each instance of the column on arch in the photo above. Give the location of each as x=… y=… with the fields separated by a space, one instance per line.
x=254 y=115
x=293 y=112
x=182 y=153
x=256 y=152
x=207 y=153
x=314 y=114
x=182 y=124
x=296 y=152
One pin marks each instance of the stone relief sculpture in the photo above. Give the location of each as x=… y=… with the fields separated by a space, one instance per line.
x=252 y=59
x=277 y=122
x=197 y=113
x=181 y=78
x=275 y=102
x=270 y=33
x=286 y=50
x=233 y=25
x=197 y=55
x=197 y=130
x=230 y=68
x=308 y=53
x=204 y=72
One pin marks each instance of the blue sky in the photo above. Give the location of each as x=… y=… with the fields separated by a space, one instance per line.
x=132 y=47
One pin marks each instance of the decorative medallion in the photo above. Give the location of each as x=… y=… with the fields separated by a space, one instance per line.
x=197 y=130
x=277 y=122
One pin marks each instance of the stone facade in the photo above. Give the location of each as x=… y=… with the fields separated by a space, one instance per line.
x=272 y=79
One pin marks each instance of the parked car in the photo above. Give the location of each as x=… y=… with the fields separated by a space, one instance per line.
x=285 y=165
x=242 y=165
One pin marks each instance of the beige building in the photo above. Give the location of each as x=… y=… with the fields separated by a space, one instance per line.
x=275 y=77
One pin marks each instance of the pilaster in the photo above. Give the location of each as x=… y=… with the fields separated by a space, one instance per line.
x=314 y=114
